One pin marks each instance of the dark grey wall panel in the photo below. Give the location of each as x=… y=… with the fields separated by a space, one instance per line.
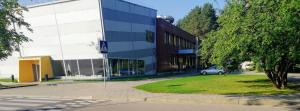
x=149 y=67
x=115 y=36
x=134 y=54
x=115 y=15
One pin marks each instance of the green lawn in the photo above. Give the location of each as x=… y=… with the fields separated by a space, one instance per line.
x=216 y=84
x=6 y=80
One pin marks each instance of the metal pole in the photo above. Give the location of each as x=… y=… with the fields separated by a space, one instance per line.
x=60 y=43
x=105 y=70
x=103 y=34
x=103 y=61
x=93 y=67
x=196 y=50
x=78 y=67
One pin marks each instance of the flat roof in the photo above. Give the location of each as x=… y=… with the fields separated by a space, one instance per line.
x=49 y=2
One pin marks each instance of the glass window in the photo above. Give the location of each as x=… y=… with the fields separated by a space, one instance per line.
x=85 y=66
x=150 y=36
x=141 y=67
x=124 y=67
x=58 y=68
x=71 y=67
x=174 y=40
x=98 y=66
x=166 y=38
x=114 y=64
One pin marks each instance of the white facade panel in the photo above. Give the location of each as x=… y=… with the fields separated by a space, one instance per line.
x=81 y=27
x=81 y=46
x=8 y=66
x=77 y=5
x=44 y=20
x=76 y=23
x=40 y=11
x=78 y=16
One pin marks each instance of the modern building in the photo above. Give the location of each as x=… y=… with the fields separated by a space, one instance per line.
x=175 y=47
x=65 y=40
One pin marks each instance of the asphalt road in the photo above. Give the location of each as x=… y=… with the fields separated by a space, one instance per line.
x=144 y=106
x=13 y=103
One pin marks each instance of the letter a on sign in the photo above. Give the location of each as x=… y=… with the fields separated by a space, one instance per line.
x=103 y=47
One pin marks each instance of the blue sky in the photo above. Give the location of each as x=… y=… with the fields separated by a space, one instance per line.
x=177 y=8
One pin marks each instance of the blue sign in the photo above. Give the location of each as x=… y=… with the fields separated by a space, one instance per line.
x=103 y=47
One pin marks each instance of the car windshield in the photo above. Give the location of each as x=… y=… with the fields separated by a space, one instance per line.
x=212 y=68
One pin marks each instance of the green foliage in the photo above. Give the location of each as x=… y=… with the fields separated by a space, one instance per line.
x=265 y=31
x=262 y=30
x=11 y=17
x=199 y=21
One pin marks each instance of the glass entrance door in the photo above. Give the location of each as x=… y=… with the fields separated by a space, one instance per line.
x=36 y=72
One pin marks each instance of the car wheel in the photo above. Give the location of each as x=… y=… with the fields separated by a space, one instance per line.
x=204 y=73
x=220 y=73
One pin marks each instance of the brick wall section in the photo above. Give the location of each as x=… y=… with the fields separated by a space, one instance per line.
x=165 y=51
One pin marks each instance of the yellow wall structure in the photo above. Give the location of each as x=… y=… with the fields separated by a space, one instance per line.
x=46 y=67
x=26 y=70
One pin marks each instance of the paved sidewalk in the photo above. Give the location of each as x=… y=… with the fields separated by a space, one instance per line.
x=144 y=106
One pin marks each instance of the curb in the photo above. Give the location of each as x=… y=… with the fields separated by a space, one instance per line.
x=12 y=87
x=205 y=99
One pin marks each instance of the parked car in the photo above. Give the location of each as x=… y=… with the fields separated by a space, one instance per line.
x=212 y=70
x=248 y=66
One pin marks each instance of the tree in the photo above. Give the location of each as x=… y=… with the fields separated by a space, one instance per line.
x=199 y=21
x=265 y=31
x=191 y=23
x=11 y=17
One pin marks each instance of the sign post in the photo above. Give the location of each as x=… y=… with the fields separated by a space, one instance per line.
x=104 y=50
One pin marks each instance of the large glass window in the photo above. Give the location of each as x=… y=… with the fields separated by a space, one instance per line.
x=85 y=67
x=98 y=66
x=141 y=67
x=150 y=36
x=126 y=67
x=71 y=67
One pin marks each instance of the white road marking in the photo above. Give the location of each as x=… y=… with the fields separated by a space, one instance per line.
x=34 y=101
x=19 y=104
x=2 y=108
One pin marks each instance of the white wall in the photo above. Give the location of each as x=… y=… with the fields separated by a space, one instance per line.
x=79 y=27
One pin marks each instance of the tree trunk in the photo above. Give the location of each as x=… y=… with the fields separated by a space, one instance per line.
x=278 y=75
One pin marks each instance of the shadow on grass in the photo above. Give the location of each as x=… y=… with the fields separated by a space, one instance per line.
x=293 y=84
x=157 y=76
x=289 y=100
x=175 y=85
